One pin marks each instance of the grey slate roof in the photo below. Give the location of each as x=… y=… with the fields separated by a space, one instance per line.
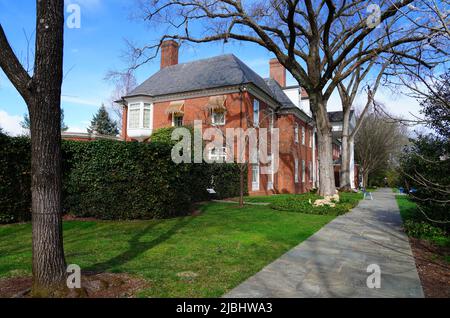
x=336 y=117
x=215 y=72
x=278 y=94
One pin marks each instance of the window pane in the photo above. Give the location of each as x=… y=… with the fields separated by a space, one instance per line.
x=256 y=112
x=218 y=118
x=178 y=121
x=146 y=117
x=255 y=173
x=134 y=118
x=303 y=171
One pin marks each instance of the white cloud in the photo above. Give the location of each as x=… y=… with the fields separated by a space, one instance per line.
x=11 y=123
x=80 y=101
x=396 y=104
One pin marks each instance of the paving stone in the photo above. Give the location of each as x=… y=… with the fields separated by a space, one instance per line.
x=333 y=262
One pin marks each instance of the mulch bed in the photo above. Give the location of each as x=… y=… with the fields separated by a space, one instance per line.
x=100 y=285
x=433 y=270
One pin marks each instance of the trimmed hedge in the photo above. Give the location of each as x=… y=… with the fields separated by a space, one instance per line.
x=114 y=180
x=15 y=180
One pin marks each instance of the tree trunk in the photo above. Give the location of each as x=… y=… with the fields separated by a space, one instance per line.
x=327 y=185
x=365 y=178
x=49 y=267
x=345 y=182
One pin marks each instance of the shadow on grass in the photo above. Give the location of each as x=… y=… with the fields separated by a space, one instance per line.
x=136 y=247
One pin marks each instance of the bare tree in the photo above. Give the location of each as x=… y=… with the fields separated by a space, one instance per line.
x=348 y=92
x=312 y=39
x=376 y=142
x=124 y=83
x=42 y=93
x=420 y=81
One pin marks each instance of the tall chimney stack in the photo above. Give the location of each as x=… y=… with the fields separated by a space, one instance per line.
x=278 y=72
x=169 y=53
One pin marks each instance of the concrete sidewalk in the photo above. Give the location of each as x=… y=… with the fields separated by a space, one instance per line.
x=334 y=261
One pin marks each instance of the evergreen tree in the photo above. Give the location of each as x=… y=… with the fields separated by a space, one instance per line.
x=102 y=124
x=26 y=122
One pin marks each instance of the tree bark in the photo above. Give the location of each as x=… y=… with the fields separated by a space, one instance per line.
x=42 y=93
x=327 y=185
x=345 y=182
x=49 y=266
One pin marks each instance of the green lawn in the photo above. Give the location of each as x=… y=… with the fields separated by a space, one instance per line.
x=415 y=224
x=223 y=246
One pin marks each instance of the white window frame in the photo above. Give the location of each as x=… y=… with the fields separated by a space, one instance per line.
x=270 y=175
x=255 y=184
x=303 y=135
x=303 y=171
x=256 y=112
x=296 y=170
x=173 y=119
x=221 y=156
x=310 y=171
x=272 y=120
x=296 y=131
x=213 y=120
x=148 y=107
x=140 y=107
x=311 y=136
x=133 y=107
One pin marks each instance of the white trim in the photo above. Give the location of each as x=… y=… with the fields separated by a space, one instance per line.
x=173 y=119
x=256 y=184
x=256 y=110
x=213 y=122
x=303 y=135
x=220 y=157
x=271 y=174
x=296 y=170
x=303 y=171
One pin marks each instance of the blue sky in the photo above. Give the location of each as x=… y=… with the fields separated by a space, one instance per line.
x=99 y=46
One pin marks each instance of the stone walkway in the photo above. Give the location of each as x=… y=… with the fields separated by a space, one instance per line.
x=333 y=262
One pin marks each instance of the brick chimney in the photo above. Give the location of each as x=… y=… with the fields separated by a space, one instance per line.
x=278 y=72
x=169 y=53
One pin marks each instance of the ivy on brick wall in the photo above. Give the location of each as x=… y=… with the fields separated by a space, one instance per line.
x=114 y=180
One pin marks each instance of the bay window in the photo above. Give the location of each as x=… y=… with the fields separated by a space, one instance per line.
x=134 y=115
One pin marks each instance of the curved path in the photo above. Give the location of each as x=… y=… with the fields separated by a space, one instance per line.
x=334 y=261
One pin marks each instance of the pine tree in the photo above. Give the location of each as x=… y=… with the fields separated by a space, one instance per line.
x=26 y=124
x=102 y=124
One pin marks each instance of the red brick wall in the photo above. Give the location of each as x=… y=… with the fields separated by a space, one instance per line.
x=195 y=109
x=289 y=151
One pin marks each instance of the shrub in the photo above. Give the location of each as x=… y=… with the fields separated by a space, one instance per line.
x=15 y=168
x=113 y=180
x=424 y=230
x=301 y=203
